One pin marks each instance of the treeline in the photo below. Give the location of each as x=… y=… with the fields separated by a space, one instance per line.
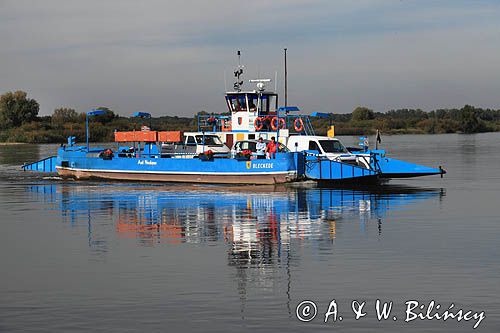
x=19 y=122
x=468 y=119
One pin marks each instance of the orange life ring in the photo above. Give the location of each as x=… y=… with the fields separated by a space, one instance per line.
x=298 y=125
x=258 y=123
x=277 y=122
x=274 y=122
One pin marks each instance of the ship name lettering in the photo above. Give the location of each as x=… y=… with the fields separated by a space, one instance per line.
x=146 y=162
x=263 y=166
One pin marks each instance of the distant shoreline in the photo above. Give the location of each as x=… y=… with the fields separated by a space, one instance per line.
x=389 y=133
x=362 y=121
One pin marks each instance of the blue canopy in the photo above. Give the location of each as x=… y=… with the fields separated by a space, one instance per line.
x=96 y=112
x=141 y=114
x=288 y=109
x=320 y=114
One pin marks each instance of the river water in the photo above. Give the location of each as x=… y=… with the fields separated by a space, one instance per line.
x=125 y=257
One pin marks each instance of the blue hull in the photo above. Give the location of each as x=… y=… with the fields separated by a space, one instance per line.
x=80 y=164
x=76 y=162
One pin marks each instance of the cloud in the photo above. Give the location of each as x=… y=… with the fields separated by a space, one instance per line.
x=168 y=57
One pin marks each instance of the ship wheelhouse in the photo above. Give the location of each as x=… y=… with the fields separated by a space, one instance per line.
x=250 y=114
x=246 y=106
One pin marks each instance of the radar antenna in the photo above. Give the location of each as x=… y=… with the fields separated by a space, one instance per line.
x=237 y=73
x=260 y=83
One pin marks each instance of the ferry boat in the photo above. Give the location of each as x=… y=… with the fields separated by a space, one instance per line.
x=224 y=149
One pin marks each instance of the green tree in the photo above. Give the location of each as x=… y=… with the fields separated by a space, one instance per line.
x=469 y=122
x=64 y=115
x=362 y=113
x=107 y=117
x=16 y=109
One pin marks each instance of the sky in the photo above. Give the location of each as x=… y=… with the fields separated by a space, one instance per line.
x=172 y=57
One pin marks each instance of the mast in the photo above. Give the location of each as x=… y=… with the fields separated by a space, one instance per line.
x=286 y=83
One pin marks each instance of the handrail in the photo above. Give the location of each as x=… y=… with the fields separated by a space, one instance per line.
x=320 y=158
x=376 y=165
x=308 y=128
x=215 y=127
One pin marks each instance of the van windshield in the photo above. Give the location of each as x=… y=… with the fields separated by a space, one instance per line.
x=332 y=146
x=210 y=140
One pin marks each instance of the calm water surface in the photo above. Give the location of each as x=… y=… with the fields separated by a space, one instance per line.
x=99 y=256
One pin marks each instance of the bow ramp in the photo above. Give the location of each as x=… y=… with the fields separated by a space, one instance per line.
x=47 y=164
x=331 y=171
x=393 y=168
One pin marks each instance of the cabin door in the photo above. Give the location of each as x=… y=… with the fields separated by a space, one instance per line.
x=229 y=140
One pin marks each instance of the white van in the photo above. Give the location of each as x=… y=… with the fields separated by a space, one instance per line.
x=330 y=148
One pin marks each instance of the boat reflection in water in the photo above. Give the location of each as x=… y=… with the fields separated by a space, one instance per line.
x=265 y=230
x=256 y=222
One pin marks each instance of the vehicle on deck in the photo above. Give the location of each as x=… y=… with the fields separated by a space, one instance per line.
x=194 y=144
x=251 y=145
x=326 y=147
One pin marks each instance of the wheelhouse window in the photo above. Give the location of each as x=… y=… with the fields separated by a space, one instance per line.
x=237 y=102
x=242 y=103
x=268 y=103
x=253 y=102
x=332 y=146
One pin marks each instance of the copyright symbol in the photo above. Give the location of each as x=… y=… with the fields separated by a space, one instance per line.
x=306 y=311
